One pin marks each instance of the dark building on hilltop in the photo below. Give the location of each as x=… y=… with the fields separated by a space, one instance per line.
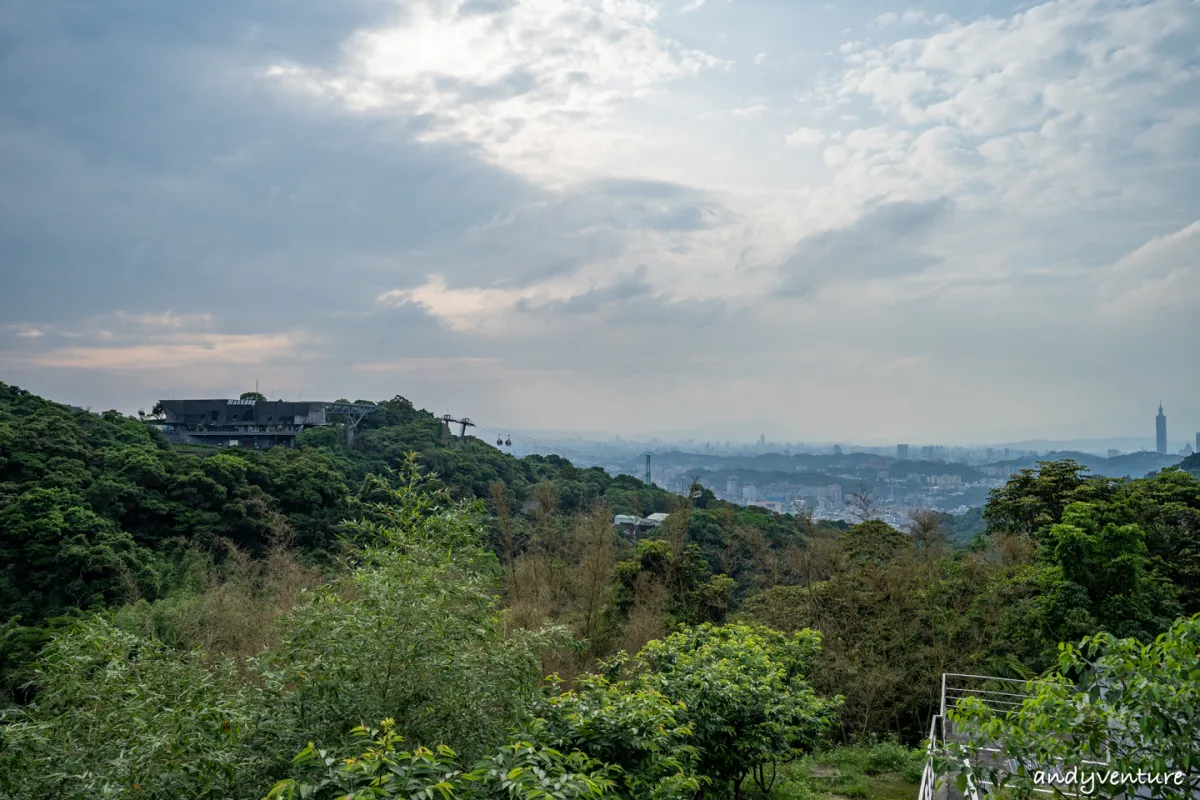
x=257 y=424
x=1160 y=432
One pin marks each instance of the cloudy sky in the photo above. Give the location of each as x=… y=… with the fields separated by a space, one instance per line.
x=946 y=222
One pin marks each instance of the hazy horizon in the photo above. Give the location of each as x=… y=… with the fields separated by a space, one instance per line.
x=945 y=222
x=1127 y=443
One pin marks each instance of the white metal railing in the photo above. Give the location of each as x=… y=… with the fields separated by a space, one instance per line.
x=929 y=776
x=1001 y=695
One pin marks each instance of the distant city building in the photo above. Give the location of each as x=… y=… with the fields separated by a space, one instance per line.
x=835 y=493
x=902 y=451
x=750 y=493
x=1198 y=442
x=1160 y=432
x=927 y=453
x=1187 y=450
x=837 y=449
x=731 y=487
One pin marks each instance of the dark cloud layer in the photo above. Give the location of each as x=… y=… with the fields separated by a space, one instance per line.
x=887 y=241
x=148 y=165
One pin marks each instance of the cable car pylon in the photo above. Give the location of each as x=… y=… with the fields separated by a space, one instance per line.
x=462 y=436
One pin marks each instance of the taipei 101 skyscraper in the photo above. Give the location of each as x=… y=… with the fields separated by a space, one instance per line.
x=1160 y=432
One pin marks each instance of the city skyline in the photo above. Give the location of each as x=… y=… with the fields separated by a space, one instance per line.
x=1095 y=444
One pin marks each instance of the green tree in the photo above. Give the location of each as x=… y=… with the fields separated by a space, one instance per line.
x=873 y=542
x=1110 y=562
x=636 y=729
x=379 y=769
x=119 y=716
x=56 y=553
x=1033 y=499
x=745 y=695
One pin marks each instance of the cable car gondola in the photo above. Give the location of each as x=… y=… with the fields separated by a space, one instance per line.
x=508 y=442
x=499 y=442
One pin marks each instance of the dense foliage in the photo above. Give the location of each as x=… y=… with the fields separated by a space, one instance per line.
x=745 y=696
x=409 y=631
x=1118 y=705
x=1065 y=556
x=422 y=620
x=99 y=510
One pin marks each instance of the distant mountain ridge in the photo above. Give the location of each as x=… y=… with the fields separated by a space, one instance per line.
x=1132 y=465
x=1122 y=443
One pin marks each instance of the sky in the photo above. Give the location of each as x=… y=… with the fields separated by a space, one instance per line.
x=935 y=222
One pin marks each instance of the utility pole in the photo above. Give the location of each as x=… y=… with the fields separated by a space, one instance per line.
x=647 y=469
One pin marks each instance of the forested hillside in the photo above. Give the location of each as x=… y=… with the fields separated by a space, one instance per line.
x=202 y=616
x=100 y=510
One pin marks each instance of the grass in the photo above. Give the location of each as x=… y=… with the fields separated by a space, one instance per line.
x=884 y=770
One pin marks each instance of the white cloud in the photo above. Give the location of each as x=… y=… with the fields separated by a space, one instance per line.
x=535 y=85
x=166 y=319
x=1161 y=276
x=911 y=16
x=473 y=308
x=694 y=5
x=750 y=112
x=806 y=137
x=175 y=352
x=885 y=20
x=760 y=58
x=1056 y=99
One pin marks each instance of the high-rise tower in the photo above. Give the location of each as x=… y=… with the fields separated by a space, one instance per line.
x=1160 y=432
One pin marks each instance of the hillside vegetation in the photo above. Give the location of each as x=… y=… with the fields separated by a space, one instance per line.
x=415 y=620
